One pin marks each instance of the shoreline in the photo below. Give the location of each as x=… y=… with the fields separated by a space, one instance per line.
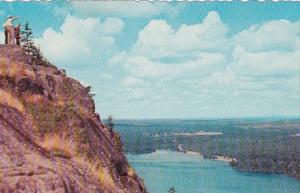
x=198 y=133
x=223 y=158
x=219 y=158
x=188 y=152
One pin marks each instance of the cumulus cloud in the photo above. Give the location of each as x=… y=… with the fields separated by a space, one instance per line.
x=111 y=26
x=165 y=53
x=80 y=37
x=198 y=62
x=158 y=40
x=280 y=35
x=205 y=62
x=123 y=8
x=265 y=63
x=257 y=72
x=141 y=66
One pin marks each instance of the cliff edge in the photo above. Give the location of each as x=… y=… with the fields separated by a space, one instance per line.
x=51 y=139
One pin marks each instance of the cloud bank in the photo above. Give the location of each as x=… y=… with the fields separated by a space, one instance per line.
x=202 y=61
x=199 y=66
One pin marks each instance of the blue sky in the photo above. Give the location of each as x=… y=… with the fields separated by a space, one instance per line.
x=174 y=60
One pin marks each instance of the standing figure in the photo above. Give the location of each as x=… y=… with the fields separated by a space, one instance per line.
x=8 y=25
x=17 y=34
x=6 y=35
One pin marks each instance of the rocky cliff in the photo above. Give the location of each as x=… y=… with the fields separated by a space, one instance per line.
x=51 y=139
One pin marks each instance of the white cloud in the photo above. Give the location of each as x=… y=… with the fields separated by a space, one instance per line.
x=142 y=66
x=273 y=35
x=78 y=37
x=257 y=71
x=112 y=26
x=136 y=93
x=158 y=39
x=130 y=81
x=199 y=62
x=162 y=52
x=123 y=8
x=223 y=79
x=265 y=63
x=204 y=60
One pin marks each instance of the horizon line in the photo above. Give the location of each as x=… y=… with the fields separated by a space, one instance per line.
x=216 y=118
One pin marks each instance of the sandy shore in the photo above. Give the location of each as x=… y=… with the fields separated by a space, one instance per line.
x=224 y=158
x=194 y=153
x=199 y=133
x=180 y=149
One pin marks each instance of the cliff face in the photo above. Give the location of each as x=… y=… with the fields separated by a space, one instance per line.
x=51 y=139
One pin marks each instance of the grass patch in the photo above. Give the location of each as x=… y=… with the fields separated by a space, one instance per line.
x=34 y=98
x=96 y=169
x=59 y=146
x=131 y=172
x=12 y=69
x=11 y=101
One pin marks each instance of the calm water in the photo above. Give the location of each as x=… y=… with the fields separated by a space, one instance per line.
x=189 y=174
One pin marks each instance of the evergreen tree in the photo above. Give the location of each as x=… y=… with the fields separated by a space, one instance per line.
x=27 y=41
x=89 y=89
x=110 y=123
x=172 y=190
x=30 y=48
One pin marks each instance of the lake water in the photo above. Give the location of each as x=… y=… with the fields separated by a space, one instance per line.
x=190 y=174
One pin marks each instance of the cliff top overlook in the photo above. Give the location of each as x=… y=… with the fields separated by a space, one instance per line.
x=51 y=138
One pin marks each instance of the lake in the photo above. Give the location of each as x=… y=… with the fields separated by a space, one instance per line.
x=190 y=174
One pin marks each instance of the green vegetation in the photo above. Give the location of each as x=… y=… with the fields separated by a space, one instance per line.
x=31 y=49
x=260 y=146
x=171 y=190
x=89 y=89
x=110 y=123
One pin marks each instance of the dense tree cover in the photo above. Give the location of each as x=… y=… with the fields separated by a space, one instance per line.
x=260 y=147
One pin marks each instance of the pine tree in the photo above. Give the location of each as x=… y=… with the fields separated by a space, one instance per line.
x=110 y=123
x=89 y=89
x=172 y=190
x=30 y=48
x=27 y=41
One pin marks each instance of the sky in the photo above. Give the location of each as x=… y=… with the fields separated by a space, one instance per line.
x=174 y=59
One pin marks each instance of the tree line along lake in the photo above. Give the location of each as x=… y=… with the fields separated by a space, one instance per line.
x=253 y=153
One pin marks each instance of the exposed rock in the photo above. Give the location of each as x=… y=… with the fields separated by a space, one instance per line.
x=51 y=138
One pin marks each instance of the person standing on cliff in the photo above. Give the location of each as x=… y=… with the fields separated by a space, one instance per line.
x=17 y=34
x=6 y=35
x=8 y=25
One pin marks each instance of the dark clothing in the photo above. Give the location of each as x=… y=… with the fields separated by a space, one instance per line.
x=17 y=35
x=6 y=36
x=18 y=42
